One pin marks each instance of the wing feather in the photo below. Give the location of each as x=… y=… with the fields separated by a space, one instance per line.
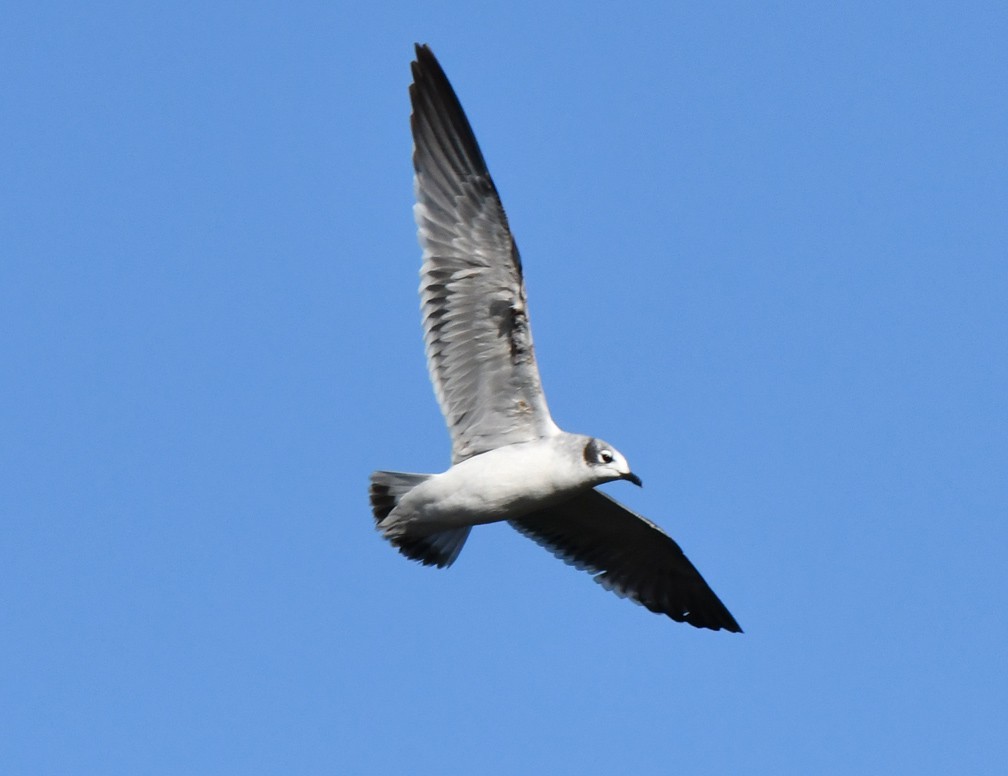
x=629 y=555
x=473 y=307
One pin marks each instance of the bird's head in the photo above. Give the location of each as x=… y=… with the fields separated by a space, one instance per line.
x=607 y=463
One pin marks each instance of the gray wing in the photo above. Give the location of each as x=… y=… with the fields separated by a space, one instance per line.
x=629 y=555
x=476 y=327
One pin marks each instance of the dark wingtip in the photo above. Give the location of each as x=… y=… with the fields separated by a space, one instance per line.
x=723 y=621
x=709 y=613
x=425 y=59
x=732 y=626
x=442 y=135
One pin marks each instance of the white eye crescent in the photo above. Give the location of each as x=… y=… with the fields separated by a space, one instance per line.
x=606 y=456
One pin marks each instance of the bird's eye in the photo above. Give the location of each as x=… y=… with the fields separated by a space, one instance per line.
x=605 y=456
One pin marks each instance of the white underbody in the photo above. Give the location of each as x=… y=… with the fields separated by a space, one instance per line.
x=500 y=484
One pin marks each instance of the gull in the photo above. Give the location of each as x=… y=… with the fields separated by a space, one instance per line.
x=510 y=461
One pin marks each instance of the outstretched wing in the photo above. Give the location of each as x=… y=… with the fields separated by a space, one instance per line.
x=475 y=319
x=629 y=555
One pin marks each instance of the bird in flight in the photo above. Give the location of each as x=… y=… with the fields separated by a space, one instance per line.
x=510 y=461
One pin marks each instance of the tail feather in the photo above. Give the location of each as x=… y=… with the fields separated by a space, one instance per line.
x=388 y=487
x=437 y=549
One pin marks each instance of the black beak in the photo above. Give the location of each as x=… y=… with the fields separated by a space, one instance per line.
x=634 y=479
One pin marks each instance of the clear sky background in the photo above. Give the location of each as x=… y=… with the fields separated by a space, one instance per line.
x=767 y=258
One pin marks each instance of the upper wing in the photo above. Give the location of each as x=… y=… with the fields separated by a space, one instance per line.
x=476 y=328
x=629 y=555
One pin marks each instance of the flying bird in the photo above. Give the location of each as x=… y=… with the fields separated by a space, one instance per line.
x=510 y=461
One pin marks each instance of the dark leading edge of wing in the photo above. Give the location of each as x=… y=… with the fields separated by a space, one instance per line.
x=629 y=555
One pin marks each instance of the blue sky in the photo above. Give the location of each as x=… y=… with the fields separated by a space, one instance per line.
x=766 y=252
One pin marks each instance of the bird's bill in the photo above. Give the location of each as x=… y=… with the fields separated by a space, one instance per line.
x=633 y=478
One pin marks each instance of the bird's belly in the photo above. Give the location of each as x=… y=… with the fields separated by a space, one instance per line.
x=486 y=489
